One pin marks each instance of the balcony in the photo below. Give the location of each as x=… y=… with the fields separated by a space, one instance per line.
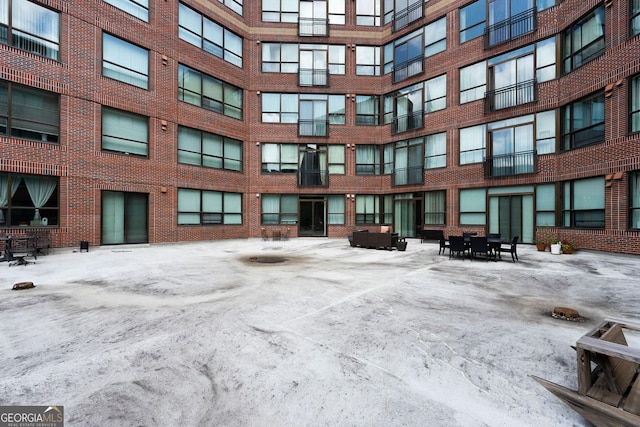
x=309 y=27
x=406 y=16
x=313 y=178
x=406 y=176
x=512 y=28
x=313 y=127
x=404 y=70
x=313 y=77
x=510 y=96
x=510 y=164
x=408 y=122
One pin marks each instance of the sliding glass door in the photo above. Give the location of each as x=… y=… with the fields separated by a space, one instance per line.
x=124 y=218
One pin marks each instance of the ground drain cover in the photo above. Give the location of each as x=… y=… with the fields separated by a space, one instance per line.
x=267 y=259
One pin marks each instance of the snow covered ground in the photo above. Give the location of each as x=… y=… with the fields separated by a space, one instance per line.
x=201 y=334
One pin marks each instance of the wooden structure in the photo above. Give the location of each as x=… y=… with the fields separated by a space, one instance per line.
x=608 y=392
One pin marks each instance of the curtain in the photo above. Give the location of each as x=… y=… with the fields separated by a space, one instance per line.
x=40 y=190
x=336 y=209
x=365 y=159
x=270 y=158
x=270 y=208
x=4 y=191
x=188 y=206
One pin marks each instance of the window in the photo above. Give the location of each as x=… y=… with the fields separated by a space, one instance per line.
x=435 y=37
x=635 y=17
x=235 y=5
x=546 y=205
x=406 y=12
x=368 y=60
x=473 y=82
x=203 y=207
x=336 y=159
x=473 y=206
x=30 y=27
x=472 y=144
x=634 y=110
x=512 y=79
x=407 y=108
x=368 y=12
x=546 y=132
x=367 y=110
x=206 y=149
x=435 y=151
x=137 y=8
x=509 y=19
x=279 y=158
x=435 y=94
x=408 y=162
x=435 y=207
x=584 y=40
x=210 y=93
x=634 y=200
x=28 y=200
x=317 y=58
x=583 y=122
x=29 y=113
x=125 y=132
x=280 y=11
x=209 y=36
x=546 y=60
x=583 y=203
x=124 y=61
x=472 y=20
x=407 y=56
x=367 y=159
x=310 y=111
x=388 y=164
x=335 y=208
x=511 y=151
x=279 y=208
x=368 y=209
x=280 y=58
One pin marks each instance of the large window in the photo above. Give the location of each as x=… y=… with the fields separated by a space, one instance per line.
x=235 y=5
x=435 y=151
x=370 y=209
x=206 y=149
x=280 y=158
x=584 y=40
x=634 y=108
x=291 y=10
x=124 y=61
x=435 y=94
x=546 y=205
x=137 y=8
x=208 y=92
x=368 y=12
x=511 y=149
x=546 y=132
x=279 y=208
x=125 y=132
x=367 y=159
x=473 y=206
x=210 y=36
x=472 y=20
x=312 y=61
x=28 y=200
x=473 y=82
x=472 y=144
x=29 y=113
x=404 y=108
x=583 y=203
x=335 y=209
x=311 y=111
x=404 y=56
x=367 y=110
x=368 y=60
x=435 y=37
x=408 y=162
x=634 y=200
x=30 y=27
x=583 y=122
x=435 y=206
x=635 y=17
x=509 y=19
x=202 y=207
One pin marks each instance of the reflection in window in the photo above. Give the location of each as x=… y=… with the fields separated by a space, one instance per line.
x=473 y=82
x=472 y=144
x=208 y=92
x=32 y=28
x=367 y=110
x=206 y=149
x=584 y=40
x=124 y=61
x=472 y=21
x=435 y=151
x=583 y=203
x=634 y=110
x=368 y=60
x=583 y=122
x=435 y=37
x=137 y=8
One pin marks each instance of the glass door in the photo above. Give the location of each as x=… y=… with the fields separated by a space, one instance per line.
x=512 y=215
x=124 y=218
x=312 y=218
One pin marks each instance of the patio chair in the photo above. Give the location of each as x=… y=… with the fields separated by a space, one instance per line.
x=512 y=249
x=457 y=246
x=479 y=245
x=444 y=245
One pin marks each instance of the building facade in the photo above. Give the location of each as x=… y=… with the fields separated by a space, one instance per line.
x=137 y=121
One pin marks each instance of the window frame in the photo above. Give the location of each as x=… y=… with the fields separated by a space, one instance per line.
x=225 y=214
x=29 y=115
x=16 y=212
x=437 y=158
x=121 y=135
x=569 y=116
x=368 y=119
x=569 y=201
x=136 y=8
x=570 y=53
x=222 y=158
x=472 y=8
x=116 y=73
x=431 y=210
x=225 y=90
x=51 y=46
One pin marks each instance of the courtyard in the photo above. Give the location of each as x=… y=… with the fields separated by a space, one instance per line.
x=304 y=332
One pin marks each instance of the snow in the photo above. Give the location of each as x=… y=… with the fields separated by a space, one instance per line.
x=196 y=334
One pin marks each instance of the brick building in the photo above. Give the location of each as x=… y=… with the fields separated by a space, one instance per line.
x=129 y=121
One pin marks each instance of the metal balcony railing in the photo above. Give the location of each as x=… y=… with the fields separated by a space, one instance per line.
x=313 y=77
x=404 y=70
x=518 y=25
x=509 y=96
x=313 y=178
x=313 y=127
x=510 y=164
x=308 y=27
x=408 y=122
x=406 y=16
x=410 y=175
